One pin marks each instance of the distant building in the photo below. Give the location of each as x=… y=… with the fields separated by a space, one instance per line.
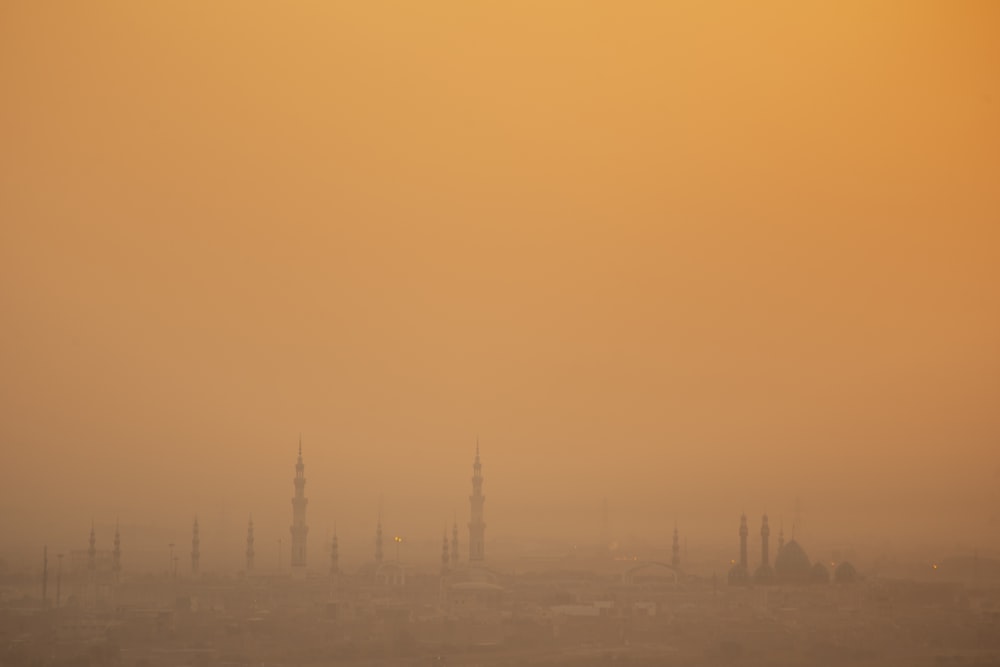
x=477 y=527
x=299 y=529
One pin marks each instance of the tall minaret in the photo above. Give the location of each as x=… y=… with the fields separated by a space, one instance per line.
x=765 y=536
x=605 y=526
x=299 y=528
x=477 y=529
x=250 y=550
x=195 y=548
x=116 y=554
x=743 y=542
x=92 y=551
x=454 y=543
x=378 y=535
x=334 y=554
x=675 y=558
x=444 y=552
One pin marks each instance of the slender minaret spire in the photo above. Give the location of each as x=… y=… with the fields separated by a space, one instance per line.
x=605 y=525
x=781 y=536
x=743 y=541
x=195 y=548
x=765 y=536
x=454 y=543
x=477 y=528
x=334 y=554
x=675 y=557
x=378 y=534
x=445 y=558
x=92 y=551
x=116 y=554
x=45 y=576
x=59 y=558
x=299 y=528
x=250 y=549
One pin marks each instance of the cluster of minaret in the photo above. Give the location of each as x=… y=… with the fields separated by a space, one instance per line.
x=300 y=531
x=449 y=550
x=741 y=572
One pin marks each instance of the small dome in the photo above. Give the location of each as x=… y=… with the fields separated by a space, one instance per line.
x=819 y=574
x=792 y=563
x=845 y=573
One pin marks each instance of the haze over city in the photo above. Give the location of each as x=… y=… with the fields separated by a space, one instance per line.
x=680 y=260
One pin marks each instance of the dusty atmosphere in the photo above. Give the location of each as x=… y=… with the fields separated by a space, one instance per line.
x=665 y=264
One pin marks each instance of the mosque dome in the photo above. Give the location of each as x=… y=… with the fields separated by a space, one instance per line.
x=845 y=573
x=792 y=563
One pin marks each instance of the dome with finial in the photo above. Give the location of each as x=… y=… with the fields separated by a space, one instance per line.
x=792 y=563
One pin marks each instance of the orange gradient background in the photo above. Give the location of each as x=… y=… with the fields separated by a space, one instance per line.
x=697 y=258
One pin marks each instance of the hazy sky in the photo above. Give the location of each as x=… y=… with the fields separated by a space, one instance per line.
x=694 y=257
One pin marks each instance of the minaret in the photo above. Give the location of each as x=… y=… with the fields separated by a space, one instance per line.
x=477 y=529
x=335 y=554
x=743 y=542
x=250 y=550
x=92 y=551
x=116 y=554
x=45 y=576
x=765 y=535
x=445 y=558
x=454 y=543
x=378 y=535
x=195 y=548
x=605 y=526
x=781 y=536
x=299 y=529
x=675 y=558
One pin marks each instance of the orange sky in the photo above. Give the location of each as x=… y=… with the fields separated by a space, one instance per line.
x=694 y=257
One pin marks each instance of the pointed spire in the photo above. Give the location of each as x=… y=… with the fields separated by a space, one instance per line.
x=445 y=557
x=195 y=547
x=92 y=549
x=675 y=548
x=334 y=553
x=251 y=552
x=378 y=534
x=116 y=553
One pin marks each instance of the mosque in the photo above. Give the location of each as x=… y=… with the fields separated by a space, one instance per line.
x=791 y=564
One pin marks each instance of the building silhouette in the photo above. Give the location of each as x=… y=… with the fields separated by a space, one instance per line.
x=299 y=529
x=477 y=527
